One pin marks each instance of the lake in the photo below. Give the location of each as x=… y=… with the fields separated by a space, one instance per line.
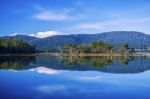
x=49 y=77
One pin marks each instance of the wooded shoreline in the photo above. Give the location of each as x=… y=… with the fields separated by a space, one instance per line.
x=79 y=54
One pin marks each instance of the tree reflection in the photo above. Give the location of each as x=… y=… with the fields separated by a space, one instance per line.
x=64 y=62
x=15 y=62
x=96 y=61
x=125 y=60
x=101 y=61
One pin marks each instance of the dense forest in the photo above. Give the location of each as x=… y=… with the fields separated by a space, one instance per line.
x=15 y=46
x=95 y=47
x=19 y=46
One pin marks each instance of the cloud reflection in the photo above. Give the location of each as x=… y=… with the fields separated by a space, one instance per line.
x=51 y=88
x=45 y=70
x=90 y=78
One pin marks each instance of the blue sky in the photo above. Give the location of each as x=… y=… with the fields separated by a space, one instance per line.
x=44 y=18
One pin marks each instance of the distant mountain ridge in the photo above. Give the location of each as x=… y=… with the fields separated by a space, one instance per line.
x=132 y=38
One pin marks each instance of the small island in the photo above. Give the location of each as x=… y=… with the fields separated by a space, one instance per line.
x=97 y=48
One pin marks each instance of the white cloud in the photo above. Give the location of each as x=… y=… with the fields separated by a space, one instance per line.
x=50 y=16
x=14 y=34
x=45 y=70
x=32 y=34
x=46 y=34
x=120 y=24
x=40 y=34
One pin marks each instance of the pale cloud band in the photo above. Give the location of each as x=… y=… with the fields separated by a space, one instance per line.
x=50 y=16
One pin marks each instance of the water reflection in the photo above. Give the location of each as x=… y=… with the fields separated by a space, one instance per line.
x=94 y=61
x=73 y=85
x=75 y=63
x=44 y=70
x=75 y=77
x=15 y=62
x=128 y=64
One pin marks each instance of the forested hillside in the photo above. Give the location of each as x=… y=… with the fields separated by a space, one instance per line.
x=15 y=46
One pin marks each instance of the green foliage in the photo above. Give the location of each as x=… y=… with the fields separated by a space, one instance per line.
x=101 y=47
x=70 y=48
x=15 y=46
x=123 y=47
x=95 y=47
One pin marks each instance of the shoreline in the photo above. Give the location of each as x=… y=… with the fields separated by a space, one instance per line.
x=95 y=54
x=79 y=54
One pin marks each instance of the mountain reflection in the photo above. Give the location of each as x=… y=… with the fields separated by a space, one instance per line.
x=120 y=64
x=49 y=64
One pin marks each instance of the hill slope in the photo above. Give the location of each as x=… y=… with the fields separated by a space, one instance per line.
x=132 y=38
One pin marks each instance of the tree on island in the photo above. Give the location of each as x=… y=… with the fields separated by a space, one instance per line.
x=123 y=48
x=95 y=47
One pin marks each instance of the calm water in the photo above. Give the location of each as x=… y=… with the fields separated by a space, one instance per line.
x=44 y=77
